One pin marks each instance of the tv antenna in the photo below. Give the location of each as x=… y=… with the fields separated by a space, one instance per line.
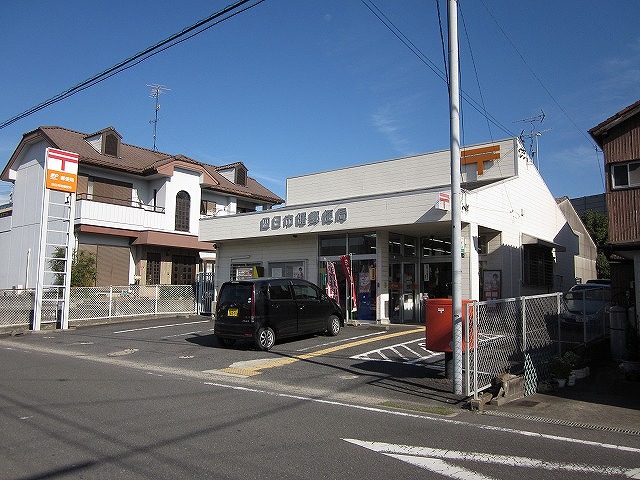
x=533 y=135
x=156 y=91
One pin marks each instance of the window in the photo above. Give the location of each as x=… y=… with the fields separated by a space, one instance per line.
x=286 y=270
x=395 y=244
x=362 y=244
x=241 y=176
x=183 y=207
x=111 y=145
x=279 y=291
x=434 y=247
x=153 y=268
x=207 y=207
x=537 y=265
x=305 y=292
x=625 y=175
x=104 y=190
x=333 y=245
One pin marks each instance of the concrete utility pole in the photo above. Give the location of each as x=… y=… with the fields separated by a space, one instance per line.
x=456 y=201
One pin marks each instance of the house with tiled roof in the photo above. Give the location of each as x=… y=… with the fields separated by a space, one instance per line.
x=137 y=210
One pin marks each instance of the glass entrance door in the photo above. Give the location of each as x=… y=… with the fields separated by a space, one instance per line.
x=436 y=279
x=403 y=289
x=409 y=291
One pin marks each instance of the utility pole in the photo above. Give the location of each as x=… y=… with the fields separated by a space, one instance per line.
x=156 y=91
x=456 y=200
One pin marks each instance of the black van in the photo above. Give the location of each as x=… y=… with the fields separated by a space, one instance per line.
x=268 y=308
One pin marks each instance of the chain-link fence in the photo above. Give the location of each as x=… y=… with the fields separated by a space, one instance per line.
x=521 y=335
x=85 y=303
x=16 y=307
x=131 y=300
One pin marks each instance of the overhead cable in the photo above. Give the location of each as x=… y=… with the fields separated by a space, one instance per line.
x=139 y=57
x=429 y=63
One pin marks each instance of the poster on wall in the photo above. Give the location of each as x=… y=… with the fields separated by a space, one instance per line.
x=492 y=284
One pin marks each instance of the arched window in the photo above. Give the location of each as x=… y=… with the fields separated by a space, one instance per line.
x=183 y=208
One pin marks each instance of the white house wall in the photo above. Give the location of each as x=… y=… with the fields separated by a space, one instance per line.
x=189 y=181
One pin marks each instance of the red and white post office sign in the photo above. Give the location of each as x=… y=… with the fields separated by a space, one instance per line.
x=444 y=201
x=62 y=170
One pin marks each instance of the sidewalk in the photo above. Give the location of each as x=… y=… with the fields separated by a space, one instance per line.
x=604 y=399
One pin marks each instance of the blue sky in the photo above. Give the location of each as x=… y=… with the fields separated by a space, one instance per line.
x=296 y=86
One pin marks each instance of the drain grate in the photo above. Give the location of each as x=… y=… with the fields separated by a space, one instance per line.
x=566 y=423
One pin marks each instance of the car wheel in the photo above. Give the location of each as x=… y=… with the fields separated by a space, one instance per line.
x=225 y=342
x=265 y=338
x=334 y=326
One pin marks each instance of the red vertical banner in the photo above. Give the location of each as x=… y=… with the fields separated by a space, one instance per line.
x=332 y=282
x=346 y=266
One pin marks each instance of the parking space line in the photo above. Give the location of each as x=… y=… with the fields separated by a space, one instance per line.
x=256 y=370
x=160 y=326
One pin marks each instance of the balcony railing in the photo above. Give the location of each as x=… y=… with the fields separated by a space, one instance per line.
x=124 y=202
x=120 y=213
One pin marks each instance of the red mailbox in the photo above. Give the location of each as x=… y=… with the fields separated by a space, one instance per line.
x=439 y=324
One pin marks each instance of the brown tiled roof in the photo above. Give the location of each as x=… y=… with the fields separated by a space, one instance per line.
x=138 y=161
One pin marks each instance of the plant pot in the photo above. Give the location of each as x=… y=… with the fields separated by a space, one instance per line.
x=561 y=382
x=581 y=373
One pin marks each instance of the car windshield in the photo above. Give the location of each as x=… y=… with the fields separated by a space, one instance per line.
x=238 y=293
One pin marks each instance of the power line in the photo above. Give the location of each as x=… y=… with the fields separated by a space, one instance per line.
x=429 y=63
x=187 y=33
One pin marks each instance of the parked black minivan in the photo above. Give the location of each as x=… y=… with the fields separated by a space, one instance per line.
x=266 y=309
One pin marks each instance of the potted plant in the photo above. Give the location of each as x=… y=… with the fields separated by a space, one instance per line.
x=560 y=370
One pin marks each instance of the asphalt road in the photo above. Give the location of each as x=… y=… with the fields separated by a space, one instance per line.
x=160 y=399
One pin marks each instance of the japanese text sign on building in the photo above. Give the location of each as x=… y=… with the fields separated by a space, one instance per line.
x=303 y=219
x=62 y=170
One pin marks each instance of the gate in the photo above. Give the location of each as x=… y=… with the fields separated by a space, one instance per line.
x=205 y=293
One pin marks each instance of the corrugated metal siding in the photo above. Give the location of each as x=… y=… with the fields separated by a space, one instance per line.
x=623 y=209
x=623 y=142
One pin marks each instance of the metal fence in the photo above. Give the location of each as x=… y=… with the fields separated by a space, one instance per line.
x=16 y=306
x=131 y=300
x=521 y=335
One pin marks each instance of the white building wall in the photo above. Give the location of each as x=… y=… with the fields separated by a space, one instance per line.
x=262 y=251
x=24 y=239
x=397 y=175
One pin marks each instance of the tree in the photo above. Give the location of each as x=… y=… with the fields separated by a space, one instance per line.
x=597 y=224
x=83 y=267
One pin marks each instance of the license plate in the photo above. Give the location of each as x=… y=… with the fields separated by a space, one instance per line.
x=232 y=312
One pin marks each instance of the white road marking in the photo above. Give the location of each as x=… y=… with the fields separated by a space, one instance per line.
x=434 y=459
x=342 y=340
x=160 y=326
x=374 y=354
x=205 y=377
x=467 y=425
x=186 y=334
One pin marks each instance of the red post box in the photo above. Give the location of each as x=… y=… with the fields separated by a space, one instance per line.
x=439 y=324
